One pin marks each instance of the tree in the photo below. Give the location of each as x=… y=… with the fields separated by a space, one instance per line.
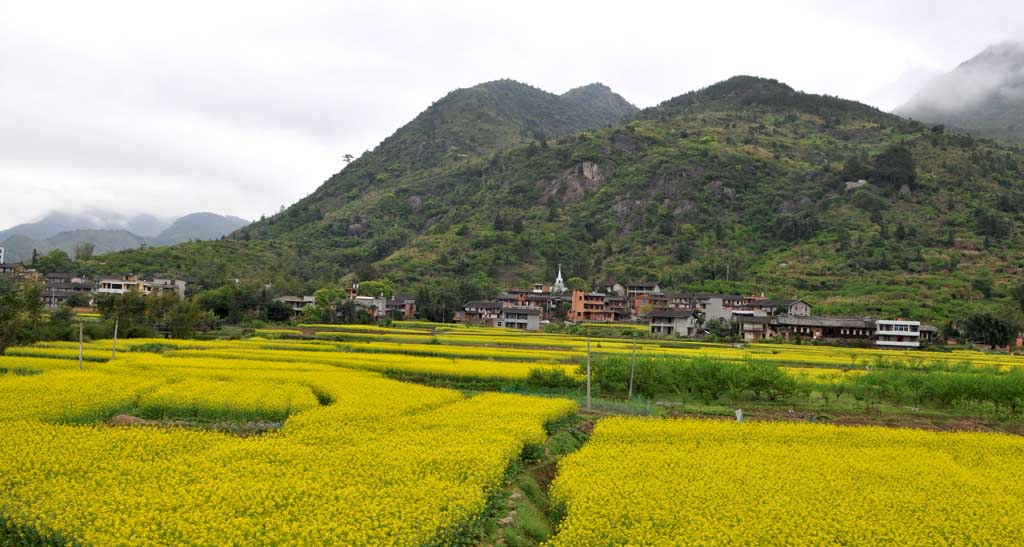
x=992 y=223
x=55 y=261
x=21 y=313
x=994 y=329
x=84 y=250
x=895 y=167
x=856 y=168
x=983 y=283
x=376 y=288
x=1017 y=293
x=327 y=301
x=278 y=311
x=577 y=284
x=347 y=158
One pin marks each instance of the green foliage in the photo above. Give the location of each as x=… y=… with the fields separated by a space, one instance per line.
x=376 y=288
x=983 y=284
x=54 y=261
x=990 y=328
x=1017 y=293
x=548 y=377
x=942 y=389
x=22 y=314
x=991 y=223
x=577 y=283
x=895 y=167
x=708 y=379
x=735 y=187
x=139 y=316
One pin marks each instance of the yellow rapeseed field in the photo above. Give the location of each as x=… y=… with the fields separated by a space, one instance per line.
x=366 y=461
x=671 y=482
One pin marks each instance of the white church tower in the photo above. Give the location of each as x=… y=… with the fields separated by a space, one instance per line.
x=559 y=286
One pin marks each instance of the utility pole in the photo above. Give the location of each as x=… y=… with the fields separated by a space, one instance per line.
x=80 y=351
x=588 y=372
x=632 y=368
x=113 y=354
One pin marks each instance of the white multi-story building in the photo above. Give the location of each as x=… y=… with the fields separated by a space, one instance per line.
x=3 y=255
x=897 y=333
x=130 y=283
x=118 y=285
x=519 y=317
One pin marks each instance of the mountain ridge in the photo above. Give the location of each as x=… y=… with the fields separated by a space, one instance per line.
x=741 y=186
x=983 y=95
x=65 y=231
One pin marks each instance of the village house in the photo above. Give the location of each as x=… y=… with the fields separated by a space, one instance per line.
x=14 y=270
x=60 y=287
x=673 y=323
x=523 y=318
x=480 y=312
x=775 y=307
x=401 y=307
x=590 y=306
x=296 y=303
x=131 y=283
x=898 y=333
x=754 y=328
x=159 y=286
x=119 y=285
x=611 y=287
x=882 y=333
x=637 y=288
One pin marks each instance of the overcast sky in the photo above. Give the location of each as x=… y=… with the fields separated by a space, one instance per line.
x=241 y=107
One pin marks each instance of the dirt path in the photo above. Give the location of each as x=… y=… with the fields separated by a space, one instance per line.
x=240 y=429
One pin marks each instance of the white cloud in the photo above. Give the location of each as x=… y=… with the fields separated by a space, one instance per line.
x=239 y=107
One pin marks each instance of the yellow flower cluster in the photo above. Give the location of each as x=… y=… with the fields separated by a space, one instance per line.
x=383 y=362
x=668 y=482
x=378 y=463
x=213 y=399
x=71 y=396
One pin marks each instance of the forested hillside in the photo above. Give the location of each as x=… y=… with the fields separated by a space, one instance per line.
x=739 y=186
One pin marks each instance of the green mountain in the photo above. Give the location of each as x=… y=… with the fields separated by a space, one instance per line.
x=198 y=226
x=984 y=95
x=66 y=231
x=739 y=186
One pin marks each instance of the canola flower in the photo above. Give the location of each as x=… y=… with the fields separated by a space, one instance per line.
x=686 y=482
x=232 y=399
x=385 y=362
x=380 y=463
x=69 y=396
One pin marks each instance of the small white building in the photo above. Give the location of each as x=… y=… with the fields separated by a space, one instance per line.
x=130 y=283
x=3 y=255
x=673 y=322
x=519 y=317
x=897 y=333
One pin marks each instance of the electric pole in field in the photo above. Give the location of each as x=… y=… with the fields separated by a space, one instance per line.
x=632 y=368
x=113 y=354
x=80 y=351
x=588 y=372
